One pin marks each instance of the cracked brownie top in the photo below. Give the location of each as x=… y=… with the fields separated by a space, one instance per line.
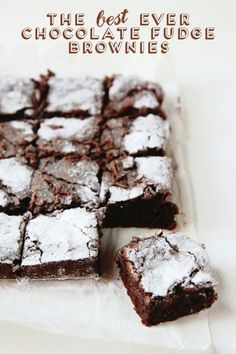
x=15 y=94
x=11 y=238
x=141 y=136
x=81 y=95
x=130 y=178
x=61 y=136
x=64 y=183
x=15 y=181
x=65 y=235
x=164 y=262
x=132 y=95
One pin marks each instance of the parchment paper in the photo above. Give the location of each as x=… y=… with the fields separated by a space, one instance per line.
x=101 y=309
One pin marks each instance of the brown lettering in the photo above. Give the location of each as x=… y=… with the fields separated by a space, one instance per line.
x=26 y=33
x=209 y=33
x=170 y=19
x=73 y=47
x=51 y=17
x=184 y=19
x=144 y=19
x=79 y=19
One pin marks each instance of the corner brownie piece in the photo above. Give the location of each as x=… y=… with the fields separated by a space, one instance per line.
x=11 y=241
x=74 y=97
x=16 y=97
x=142 y=136
x=137 y=192
x=166 y=276
x=132 y=96
x=15 y=180
x=59 y=136
x=17 y=138
x=64 y=183
x=62 y=245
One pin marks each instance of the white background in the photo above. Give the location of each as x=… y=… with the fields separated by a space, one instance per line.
x=207 y=79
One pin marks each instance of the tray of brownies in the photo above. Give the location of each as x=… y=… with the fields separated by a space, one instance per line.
x=82 y=159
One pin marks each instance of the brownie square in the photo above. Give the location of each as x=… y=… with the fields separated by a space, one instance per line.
x=74 y=97
x=64 y=183
x=141 y=136
x=17 y=139
x=59 y=136
x=11 y=241
x=137 y=192
x=16 y=97
x=62 y=245
x=166 y=276
x=132 y=96
x=15 y=181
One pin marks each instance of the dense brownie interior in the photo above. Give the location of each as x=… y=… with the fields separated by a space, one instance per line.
x=137 y=193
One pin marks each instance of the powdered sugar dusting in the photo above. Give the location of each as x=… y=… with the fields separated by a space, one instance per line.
x=15 y=174
x=68 y=235
x=83 y=172
x=10 y=237
x=145 y=99
x=122 y=85
x=128 y=162
x=3 y=199
x=68 y=147
x=68 y=94
x=15 y=94
x=118 y=194
x=147 y=133
x=162 y=266
x=67 y=128
x=155 y=169
x=25 y=129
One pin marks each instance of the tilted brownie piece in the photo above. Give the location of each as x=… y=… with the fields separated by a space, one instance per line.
x=60 y=136
x=137 y=192
x=74 y=97
x=15 y=180
x=17 y=139
x=16 y=97
x=166 y=276
x=11 y=241
x=132 y=96
x=64 y=183
x=61 y=245
x=141 y=136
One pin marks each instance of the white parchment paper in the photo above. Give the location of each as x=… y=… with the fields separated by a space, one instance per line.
x=101 y=309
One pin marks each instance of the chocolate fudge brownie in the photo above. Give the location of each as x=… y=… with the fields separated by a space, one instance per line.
x=62 y=245
x=65 y=183
x=15 y=181
x=17 y=139
x=16 y=97
x=132 y=96
x=11 y=241
x=142 y=136
x=74 y=97
x=137 y=192
x=59 y=136
x=166 y=276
